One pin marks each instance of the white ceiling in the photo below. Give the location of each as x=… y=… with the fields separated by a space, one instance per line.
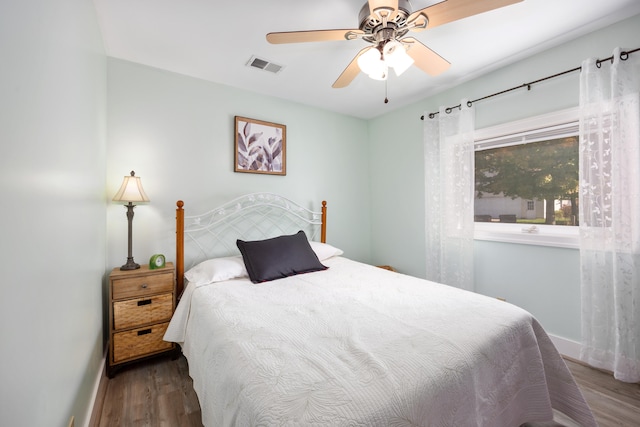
x=213 y=40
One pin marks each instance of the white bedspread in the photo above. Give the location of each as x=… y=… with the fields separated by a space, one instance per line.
x=356 y=345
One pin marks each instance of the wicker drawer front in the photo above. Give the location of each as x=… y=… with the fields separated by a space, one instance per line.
x=131 y=287
x=139 y=342
x=134 y=312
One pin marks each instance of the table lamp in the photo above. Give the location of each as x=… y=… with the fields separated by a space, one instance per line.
x=130 y=191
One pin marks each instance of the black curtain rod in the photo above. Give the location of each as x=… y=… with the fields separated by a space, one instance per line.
x=623 y=56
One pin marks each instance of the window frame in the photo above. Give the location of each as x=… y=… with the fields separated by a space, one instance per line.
x=507 y=134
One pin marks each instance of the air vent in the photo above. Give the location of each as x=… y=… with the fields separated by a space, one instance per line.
x=264 y=64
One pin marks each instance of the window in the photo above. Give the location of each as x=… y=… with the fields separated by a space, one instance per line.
x=526 y=178
x=532 y=182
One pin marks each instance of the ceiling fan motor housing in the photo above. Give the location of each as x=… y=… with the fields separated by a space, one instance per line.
x=378 y=30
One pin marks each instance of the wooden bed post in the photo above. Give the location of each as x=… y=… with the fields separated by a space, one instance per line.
x=323 y=228
x=179 y=248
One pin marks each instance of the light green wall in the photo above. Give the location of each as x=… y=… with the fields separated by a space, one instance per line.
x=177 y=133
x=544 y=281
x=53 y=217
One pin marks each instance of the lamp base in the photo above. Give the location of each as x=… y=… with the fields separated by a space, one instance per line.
x=130 y=265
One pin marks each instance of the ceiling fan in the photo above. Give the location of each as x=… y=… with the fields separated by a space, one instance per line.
x=384 y=24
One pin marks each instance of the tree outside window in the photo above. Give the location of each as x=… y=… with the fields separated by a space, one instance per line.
x=545 y=171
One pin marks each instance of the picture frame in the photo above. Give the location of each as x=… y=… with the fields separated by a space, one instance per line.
x=260 y=147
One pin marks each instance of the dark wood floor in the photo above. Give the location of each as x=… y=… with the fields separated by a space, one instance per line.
x=159 y=393
x=154 y=393
x=613 y=402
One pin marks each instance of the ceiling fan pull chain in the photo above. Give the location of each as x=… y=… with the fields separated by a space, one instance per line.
x=386 y=91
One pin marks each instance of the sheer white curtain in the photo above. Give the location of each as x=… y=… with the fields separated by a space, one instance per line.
x=610 y=214
x=449 y=195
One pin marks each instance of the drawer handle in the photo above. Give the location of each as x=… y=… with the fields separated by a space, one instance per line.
x=144 y=286
x=144 y=302
x=144 y=332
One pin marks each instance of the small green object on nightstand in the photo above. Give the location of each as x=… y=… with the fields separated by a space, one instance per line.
x=156 y=261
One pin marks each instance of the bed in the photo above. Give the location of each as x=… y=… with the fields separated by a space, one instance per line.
x=345 y=343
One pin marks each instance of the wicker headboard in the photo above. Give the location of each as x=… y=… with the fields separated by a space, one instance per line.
x=254 y=216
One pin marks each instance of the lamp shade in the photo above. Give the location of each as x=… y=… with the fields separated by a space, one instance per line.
x=131 y=190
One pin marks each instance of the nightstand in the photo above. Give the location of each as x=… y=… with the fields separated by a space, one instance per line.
x=141 y=303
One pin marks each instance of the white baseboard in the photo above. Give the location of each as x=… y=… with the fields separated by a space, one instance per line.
x=96 y=388
x=566 y=347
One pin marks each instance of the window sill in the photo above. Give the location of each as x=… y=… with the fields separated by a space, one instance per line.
x=546 y=235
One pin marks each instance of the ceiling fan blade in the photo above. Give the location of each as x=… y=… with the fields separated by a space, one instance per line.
x=382 y=4
x=425 y=59
x=350 y=72
x=313 y=36
x=453 y=10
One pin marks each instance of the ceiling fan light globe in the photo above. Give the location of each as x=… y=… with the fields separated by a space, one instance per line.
x=395 y=55
x=402 y=64
x=380 y=74
x=391 y=48
x=370 y=61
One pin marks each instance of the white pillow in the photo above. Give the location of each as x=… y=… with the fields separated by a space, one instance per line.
x=324 y=250
x=217 y=270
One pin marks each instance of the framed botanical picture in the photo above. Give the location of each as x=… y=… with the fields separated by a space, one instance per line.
x=260 y=147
